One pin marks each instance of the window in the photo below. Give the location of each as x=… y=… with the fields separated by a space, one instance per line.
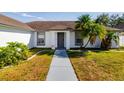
x=40 y=38
x=78 y=39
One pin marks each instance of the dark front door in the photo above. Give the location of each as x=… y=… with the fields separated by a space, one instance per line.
x=60 y=40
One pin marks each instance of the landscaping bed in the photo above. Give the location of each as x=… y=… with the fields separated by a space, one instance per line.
x=16 y=52
x=100 y=65
x=34 y=69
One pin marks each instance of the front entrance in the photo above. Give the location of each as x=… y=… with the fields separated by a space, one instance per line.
x=60 y=40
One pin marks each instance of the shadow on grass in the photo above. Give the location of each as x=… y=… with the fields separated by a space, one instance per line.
x=47 y=52
x=77 y=54
x=84 y=52
x=34 y=50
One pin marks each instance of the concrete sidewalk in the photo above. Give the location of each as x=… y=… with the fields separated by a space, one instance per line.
x=61 y=68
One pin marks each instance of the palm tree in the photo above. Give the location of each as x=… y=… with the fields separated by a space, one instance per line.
x=121 y=19
x=83 y=19
x=114 y=20
x=107 y=41
x=93 y=30
x=89 y=29
x=103 y=19
x=79 y=24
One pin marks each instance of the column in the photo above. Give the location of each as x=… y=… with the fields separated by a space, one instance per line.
x=68 y=40
x=35 y=39
x=53 y=40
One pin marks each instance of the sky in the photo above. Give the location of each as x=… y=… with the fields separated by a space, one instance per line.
x=51 y=16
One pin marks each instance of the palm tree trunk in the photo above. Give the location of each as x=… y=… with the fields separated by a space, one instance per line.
x=87 y=42
x=81 y=45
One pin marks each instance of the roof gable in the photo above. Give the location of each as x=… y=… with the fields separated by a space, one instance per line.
x=4 y=20
x=51 y=25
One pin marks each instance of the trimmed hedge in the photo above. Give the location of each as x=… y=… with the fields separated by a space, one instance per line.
x=13 y=53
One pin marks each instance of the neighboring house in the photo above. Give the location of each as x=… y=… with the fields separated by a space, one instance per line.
x=12 y=30
x=47 y=34
x=121 y=35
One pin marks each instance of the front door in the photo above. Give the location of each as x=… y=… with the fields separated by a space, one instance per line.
x=60 y=40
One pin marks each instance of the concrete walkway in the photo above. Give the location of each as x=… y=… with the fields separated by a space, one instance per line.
x=61 y=68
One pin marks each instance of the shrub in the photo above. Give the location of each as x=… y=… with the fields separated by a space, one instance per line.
x=19 y=48
x=13 y=53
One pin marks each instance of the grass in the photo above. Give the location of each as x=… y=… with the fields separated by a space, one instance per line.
x=119 y=49
x=101 y=65
x=33 y=51
x=35 y=69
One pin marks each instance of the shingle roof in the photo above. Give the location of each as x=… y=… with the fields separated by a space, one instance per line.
x=113 y=29
x=12 y=22
x=51 y=25
x=57 y=25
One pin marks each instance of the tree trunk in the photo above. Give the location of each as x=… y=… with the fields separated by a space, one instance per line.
x=103 y=44
x=87 y=42
x=106 y=43
x=81 y=44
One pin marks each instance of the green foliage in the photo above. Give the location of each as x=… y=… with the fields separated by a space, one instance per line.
x=13 y=53
x=81 y=21
x=103 y=19
x=107 y=41
x=110 y=20
x=121 y=19
x=92 y=30
x=89 y=29
x=114 y=20
x=20 y=48
x=79 y=25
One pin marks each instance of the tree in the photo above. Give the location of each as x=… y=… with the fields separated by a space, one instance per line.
x=93 y=30
x=103 y=19
x=89 y=29
x=107 y=41
x=114 y=20
x=82 y=20
x=79 y=24
x=120 y=19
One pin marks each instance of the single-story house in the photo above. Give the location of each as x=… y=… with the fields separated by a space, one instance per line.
x=46 y=34
x=12 y=30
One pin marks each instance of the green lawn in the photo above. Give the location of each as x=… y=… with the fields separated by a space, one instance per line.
x=34 y=69
x=101 y=65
